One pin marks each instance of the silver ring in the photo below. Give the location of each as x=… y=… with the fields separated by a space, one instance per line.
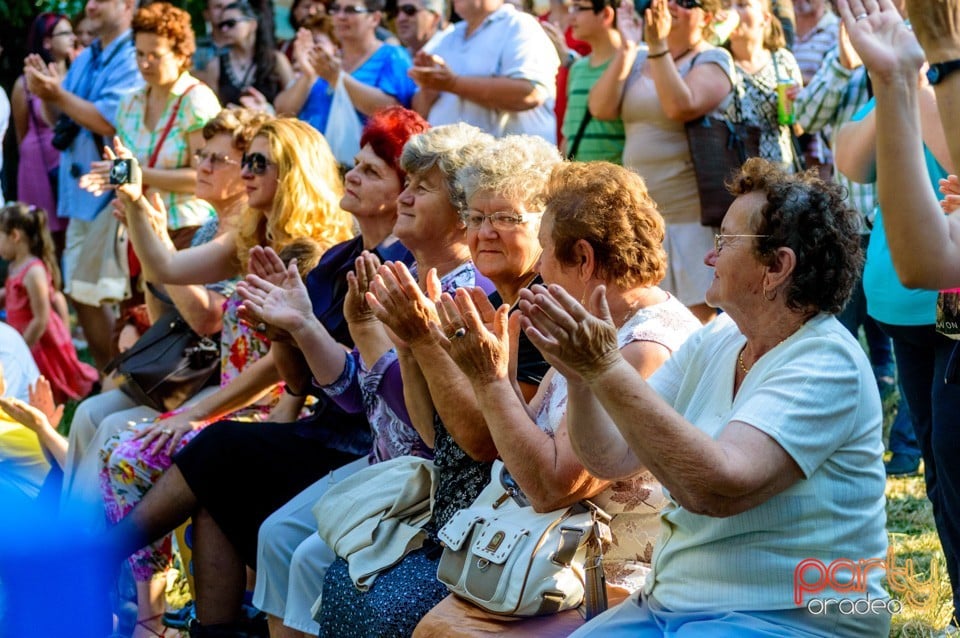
x=860 y=16
x=261 y=327
x=166 y=431
x=459 y=333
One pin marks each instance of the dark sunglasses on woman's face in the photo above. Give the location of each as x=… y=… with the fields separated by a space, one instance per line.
x=350 y=10
x=409 y=9
x=256 y=163
x=689 y=4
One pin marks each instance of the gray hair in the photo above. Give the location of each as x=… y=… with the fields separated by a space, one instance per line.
x=450 y=148
x=516 y=167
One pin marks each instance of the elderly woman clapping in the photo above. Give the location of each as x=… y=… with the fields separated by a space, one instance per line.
x=764 y=428
x=600 y=227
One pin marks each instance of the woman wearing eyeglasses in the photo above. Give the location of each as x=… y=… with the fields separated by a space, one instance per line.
x=765 y=429
x=51 y=37
x=501 y=219
x=374 y=74
x=678 y=77
x=251 y=72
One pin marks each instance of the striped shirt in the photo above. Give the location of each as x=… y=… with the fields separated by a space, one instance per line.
x=602 y=139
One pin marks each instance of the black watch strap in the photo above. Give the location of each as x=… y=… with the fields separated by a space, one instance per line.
x=937 y=72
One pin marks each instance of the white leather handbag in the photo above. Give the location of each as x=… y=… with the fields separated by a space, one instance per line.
x=508 y=559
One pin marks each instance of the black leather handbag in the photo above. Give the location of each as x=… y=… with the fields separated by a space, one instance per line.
x=168 y=364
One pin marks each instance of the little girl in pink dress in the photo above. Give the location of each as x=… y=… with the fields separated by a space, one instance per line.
x=25 y=242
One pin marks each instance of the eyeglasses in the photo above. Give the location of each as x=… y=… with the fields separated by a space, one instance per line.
x=689 y=4
x=577 y=8
x=216 y=159
x=719 y=243
x=350 y=9
x=57 y=34
x=500 y=221
x=226 y=25
x=408 y=9
x=151 y=57
x=256 y=163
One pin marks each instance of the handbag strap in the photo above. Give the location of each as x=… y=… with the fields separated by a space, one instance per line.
x=166 y=129
x=572 y=154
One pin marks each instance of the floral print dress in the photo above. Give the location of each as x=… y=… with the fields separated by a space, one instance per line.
x=128 y=472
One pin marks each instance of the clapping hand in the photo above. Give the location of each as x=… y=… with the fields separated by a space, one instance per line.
x=476 y=335
x=356 y=310
x=656 y=25
x=629 y=24
x=40 y=395
x=285 y=305
x=43 y=80
x=580 y=344
x=431 y=73
x=950 y=188
x=265 y=263
x=398 y=302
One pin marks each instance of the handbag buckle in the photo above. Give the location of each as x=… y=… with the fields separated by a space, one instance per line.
x=482 y=564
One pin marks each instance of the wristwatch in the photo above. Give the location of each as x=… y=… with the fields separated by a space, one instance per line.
x=937 y=72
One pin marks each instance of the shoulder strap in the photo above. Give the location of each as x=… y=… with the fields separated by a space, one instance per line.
x=572 y=153
x=166 y=129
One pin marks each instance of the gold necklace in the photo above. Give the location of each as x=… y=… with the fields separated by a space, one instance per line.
x=743 y=366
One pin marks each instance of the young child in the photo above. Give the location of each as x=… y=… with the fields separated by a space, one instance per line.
x=32 y=281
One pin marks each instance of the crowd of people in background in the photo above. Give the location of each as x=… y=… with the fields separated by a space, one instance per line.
x=457 y=237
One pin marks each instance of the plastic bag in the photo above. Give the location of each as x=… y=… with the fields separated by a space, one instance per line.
x=343 y=126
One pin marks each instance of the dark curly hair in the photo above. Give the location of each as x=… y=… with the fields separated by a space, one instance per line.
x=167 y=21
x=610 y=207
x=812 y=218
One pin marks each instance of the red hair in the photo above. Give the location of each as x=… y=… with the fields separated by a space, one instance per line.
x=388 y=130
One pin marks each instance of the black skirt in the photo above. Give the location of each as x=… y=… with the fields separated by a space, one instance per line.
x=243 y=472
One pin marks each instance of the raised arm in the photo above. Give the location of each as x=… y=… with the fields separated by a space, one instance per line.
x=682 y=98
x=606 y=94
x=924 y=244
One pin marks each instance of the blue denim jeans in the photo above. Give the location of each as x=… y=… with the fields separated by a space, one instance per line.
x=922 y=355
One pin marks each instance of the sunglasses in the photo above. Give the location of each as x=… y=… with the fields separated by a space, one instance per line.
x=689 y=4
x=350 y=10
x=408 y=9
x=256 y=163
x=226 y=25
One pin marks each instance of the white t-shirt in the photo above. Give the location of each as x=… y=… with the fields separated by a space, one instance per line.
x=19 y=368
x=815 y=395
x=508 y=44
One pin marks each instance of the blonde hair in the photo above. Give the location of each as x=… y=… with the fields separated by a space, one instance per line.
x=307 y=203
